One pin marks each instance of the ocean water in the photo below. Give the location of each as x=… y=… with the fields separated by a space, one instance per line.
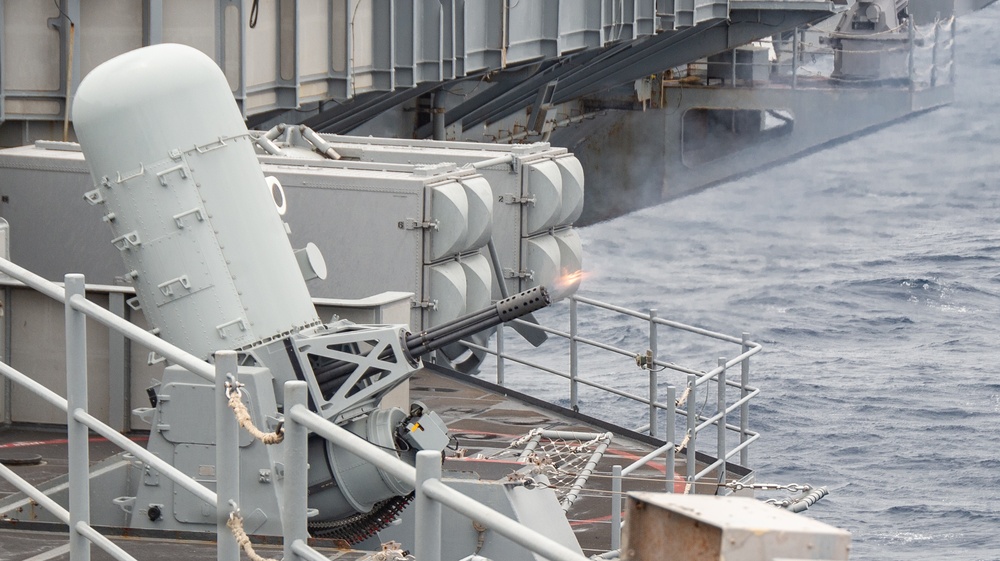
x=871 y=273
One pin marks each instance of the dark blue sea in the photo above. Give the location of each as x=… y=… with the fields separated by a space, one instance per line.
x=870 y=271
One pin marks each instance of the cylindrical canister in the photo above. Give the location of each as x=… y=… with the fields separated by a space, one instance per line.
x=189 y=207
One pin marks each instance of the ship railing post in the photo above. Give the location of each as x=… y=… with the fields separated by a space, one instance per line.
x=934 y=53
x=573 y=356
x=911 y=34
x=692 y=425
x=500 y=358
x=227 y=455
x=951 y=67
x=721 y=408
x=616 y=507
x=653 y=377
x=293 y=504
x=795 y=57
x=744 y=406
x=427 y=519
x=733 y=67
x=77 y=432
x=671 y=457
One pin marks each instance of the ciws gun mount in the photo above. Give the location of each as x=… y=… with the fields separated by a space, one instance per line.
x=197 y=224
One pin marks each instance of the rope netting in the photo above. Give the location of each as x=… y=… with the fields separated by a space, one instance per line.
x=567 y=460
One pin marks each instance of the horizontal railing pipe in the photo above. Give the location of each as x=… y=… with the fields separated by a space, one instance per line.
x=355 y=444
x=34 y=494
x=154 y=461
x=109 y=319
x=306 y=552
x=43 y=285
x=31 y=385
x=173 y=353
x=647 y=458
x=499 y=160
x=510 y=529
x=101 y=541
x=433 y=487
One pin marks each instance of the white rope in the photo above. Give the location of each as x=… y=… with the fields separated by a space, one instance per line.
x=236 y=525
x=243 y=417
x=683 y=398
x=684 y=443
x=525 y=439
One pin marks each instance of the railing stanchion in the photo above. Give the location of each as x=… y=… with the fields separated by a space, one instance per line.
x=795 y=57
x=227 y=455
x=427 y=511
x=692 y=426
x=911 y=32
x=934 y=53
x=77 y=432
x=616 y=507
x=653 y=377
x=951 y=67
x=745 y=407
x=293 y=503
x=500 y=355
x=670 y=460
x=721 y=410
x=573 y=357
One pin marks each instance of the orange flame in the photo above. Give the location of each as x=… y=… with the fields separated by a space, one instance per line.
x=567 y=283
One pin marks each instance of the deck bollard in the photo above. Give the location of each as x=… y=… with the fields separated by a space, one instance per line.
x=77 y=432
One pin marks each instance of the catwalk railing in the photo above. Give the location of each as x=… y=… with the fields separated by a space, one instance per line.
x=430 y=493
x=920 y=57
x=699 y=385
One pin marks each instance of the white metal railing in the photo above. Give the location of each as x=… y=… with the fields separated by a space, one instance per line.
x=695 y=389
x=929 y=53
x=430 y=491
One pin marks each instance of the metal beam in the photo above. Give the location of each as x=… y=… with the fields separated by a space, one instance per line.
x=501 y=84
x=152 y=22
x=344 y=118
x=743 y=27
x=644 y=58
x=488 y=105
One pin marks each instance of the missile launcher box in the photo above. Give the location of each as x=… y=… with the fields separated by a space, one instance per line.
x=389 y=215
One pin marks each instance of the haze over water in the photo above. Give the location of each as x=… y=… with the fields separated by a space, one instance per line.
x=870 y=271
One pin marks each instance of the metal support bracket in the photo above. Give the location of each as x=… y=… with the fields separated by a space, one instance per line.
x=512 y=274
x=512 y=199
x=414 y=224
x=93 y=197
x=424 y=304
x=221 y=329
x=127 y=241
